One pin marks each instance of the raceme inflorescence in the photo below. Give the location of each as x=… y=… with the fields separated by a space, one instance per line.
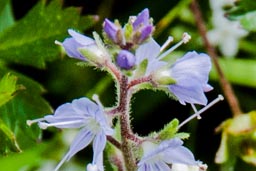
x=136 y=62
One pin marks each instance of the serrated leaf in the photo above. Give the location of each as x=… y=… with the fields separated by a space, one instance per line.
x=31 y=40
x=27 y=104
x=8 y=88
x=170 y=131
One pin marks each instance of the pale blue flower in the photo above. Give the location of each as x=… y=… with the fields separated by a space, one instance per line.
x=90 y=118
x=191 y=74
x=160 y=157
x=78 y=41
x=149 y=51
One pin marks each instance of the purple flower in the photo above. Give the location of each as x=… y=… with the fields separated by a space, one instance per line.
x=125 y=59
x=142 y=26
x=159 y=157
x=112 y=31
x=89 y=117
x=191 y=75
x=72 y=44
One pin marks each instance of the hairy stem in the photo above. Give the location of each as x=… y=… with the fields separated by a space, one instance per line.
x=226 y=86
x=125 y=125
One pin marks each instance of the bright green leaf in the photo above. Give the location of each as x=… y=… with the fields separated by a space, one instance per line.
x=31 y=40
x=7 y=140
x=8 y=88
x=27 y=104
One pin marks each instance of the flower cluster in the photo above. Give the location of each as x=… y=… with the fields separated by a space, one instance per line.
x=136 y=61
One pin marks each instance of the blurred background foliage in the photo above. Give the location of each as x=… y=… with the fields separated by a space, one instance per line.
x=37 y=76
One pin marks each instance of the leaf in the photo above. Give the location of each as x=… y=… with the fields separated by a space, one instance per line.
x=31 y=40
x=238 y=71
x=8 y=88
x=27 y=104
x=7 y=140
x=170 y=131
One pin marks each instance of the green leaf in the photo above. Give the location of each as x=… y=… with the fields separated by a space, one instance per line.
x=31 y=40
x=170 y=131
x=238 y=71
x=6 y=16
x=8 y=88
x=27 y=104
x=248 y=21
x=7 y=140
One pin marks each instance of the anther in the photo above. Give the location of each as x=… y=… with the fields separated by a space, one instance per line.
x=58 y=42
x=219 y=98
x=30 y=122
x=185 y=38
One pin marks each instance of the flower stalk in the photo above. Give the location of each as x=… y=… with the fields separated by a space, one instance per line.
x=125 y=125
x=225 y=85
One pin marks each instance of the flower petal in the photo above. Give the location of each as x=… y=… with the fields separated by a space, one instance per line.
x=142 y=19
x=99 y=144
x=191 y=74
x=81 y=39
x=84 y=106
x=149 y=50
x=111 y=30
x=71 y=47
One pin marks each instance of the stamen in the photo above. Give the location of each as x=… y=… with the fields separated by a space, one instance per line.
x=30 y=122
x=95 y=97
x=185 y=38
x=168 y=41
x=62 y=161
x=195 y=110
x=44 y=125
x=58 y=42
x=219 y=98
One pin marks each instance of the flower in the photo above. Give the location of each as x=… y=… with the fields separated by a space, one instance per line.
x=159 y=157
x=149 y=51
x=113 y=31
x=78 y=41
x=125 y=59
x=89 y=117
x=191 y=76
x=187 y=78
x=226 y=33
x=142 y=26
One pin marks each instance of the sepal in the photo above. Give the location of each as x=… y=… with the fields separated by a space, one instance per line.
x=170 y=131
